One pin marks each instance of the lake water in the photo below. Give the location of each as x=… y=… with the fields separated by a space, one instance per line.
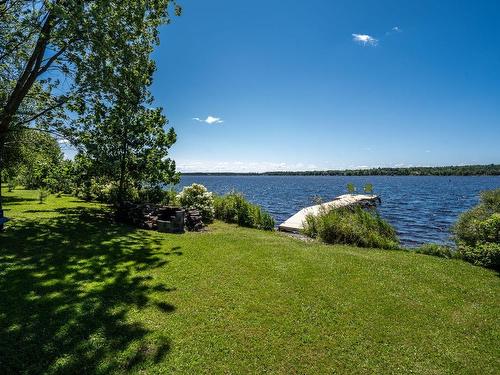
x=422 y=209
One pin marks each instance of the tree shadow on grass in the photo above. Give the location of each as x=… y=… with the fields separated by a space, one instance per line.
x=66 y=287
x=12 y=200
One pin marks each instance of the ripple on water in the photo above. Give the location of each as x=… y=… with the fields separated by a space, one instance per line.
x=422 y=209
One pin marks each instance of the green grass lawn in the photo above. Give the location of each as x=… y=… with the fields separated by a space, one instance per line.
x=79 y=294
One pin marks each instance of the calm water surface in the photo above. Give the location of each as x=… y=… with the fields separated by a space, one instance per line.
x=422 y=209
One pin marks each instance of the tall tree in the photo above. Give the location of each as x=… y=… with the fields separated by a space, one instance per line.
x=129 y=150
x=71 y=47
x=59 y=57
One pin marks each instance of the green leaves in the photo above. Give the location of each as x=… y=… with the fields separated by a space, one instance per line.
x=82 y=50
x=83 y=69
x=368 y=188
x=351 y=189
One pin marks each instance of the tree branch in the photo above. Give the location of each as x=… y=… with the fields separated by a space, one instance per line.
x=25 y=82
x=50 y=61
x=58 y=104
x=10 y=49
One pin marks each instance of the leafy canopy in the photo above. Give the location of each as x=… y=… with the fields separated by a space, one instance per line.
x=72 y=54
x=74 y=68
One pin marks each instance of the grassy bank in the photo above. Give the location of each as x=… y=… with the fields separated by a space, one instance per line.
x=81 y=295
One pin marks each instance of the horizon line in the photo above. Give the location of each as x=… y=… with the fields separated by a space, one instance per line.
x=341 y=170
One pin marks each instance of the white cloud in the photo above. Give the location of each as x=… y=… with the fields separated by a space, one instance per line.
x=394 y=30
x=210 y=120
x=240 y=166
x=364 y=39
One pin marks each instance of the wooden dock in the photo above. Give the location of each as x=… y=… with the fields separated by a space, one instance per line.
x=296 y=222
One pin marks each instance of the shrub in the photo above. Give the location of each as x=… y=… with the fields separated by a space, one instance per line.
x=266 y=221
x=234 y=208
x=170 y=198
x=351 y=226
x=368 y=188
x=90 y=189
x=198 y=197
x=486 y=254
x=42 y=195
x=481 y=223
x=435 y=250
x=490 y=199
x=11 y=184
x=152 y=194
x=477 y=232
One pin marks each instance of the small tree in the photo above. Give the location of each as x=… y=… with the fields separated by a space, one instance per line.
x=368 y=188
x=128 y=151
x=351 y=189
x=42 y=195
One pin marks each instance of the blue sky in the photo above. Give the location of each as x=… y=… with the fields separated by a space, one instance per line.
x=275 y=85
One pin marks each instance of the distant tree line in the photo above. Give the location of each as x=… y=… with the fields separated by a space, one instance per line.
x=465 y=170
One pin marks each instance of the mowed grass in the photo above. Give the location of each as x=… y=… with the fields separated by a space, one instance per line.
x=79 y=294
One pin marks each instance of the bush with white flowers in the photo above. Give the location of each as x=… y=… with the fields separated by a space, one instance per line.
x=198 y=197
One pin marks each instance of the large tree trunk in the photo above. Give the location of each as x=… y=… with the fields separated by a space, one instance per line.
x=123 y=167
x=2 y=141
x=31 y=72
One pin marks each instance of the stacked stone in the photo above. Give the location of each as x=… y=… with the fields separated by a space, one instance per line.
x=162 y=218
x=139 y=215
x=170 y=219
x=194 y=220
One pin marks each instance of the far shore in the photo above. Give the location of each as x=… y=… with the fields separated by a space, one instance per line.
x=466 y=170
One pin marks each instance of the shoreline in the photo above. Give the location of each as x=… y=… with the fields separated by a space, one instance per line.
x=458 y=171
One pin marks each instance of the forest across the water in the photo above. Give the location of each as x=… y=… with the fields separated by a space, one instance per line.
x=463 y=170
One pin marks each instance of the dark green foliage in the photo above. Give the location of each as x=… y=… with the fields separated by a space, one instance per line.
x=153 y=194
x=265 y=220
x=34 y=159
x=129 y=150
x=105 y=191
x=234 y=208
x=491 y=200
x=82 y=69
x=59 y=56
x=435 y=250
x=170 y=198
x=477 y=232
x=351 y=226
x=485 y=254
x=11 y=184
x=463 y=170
